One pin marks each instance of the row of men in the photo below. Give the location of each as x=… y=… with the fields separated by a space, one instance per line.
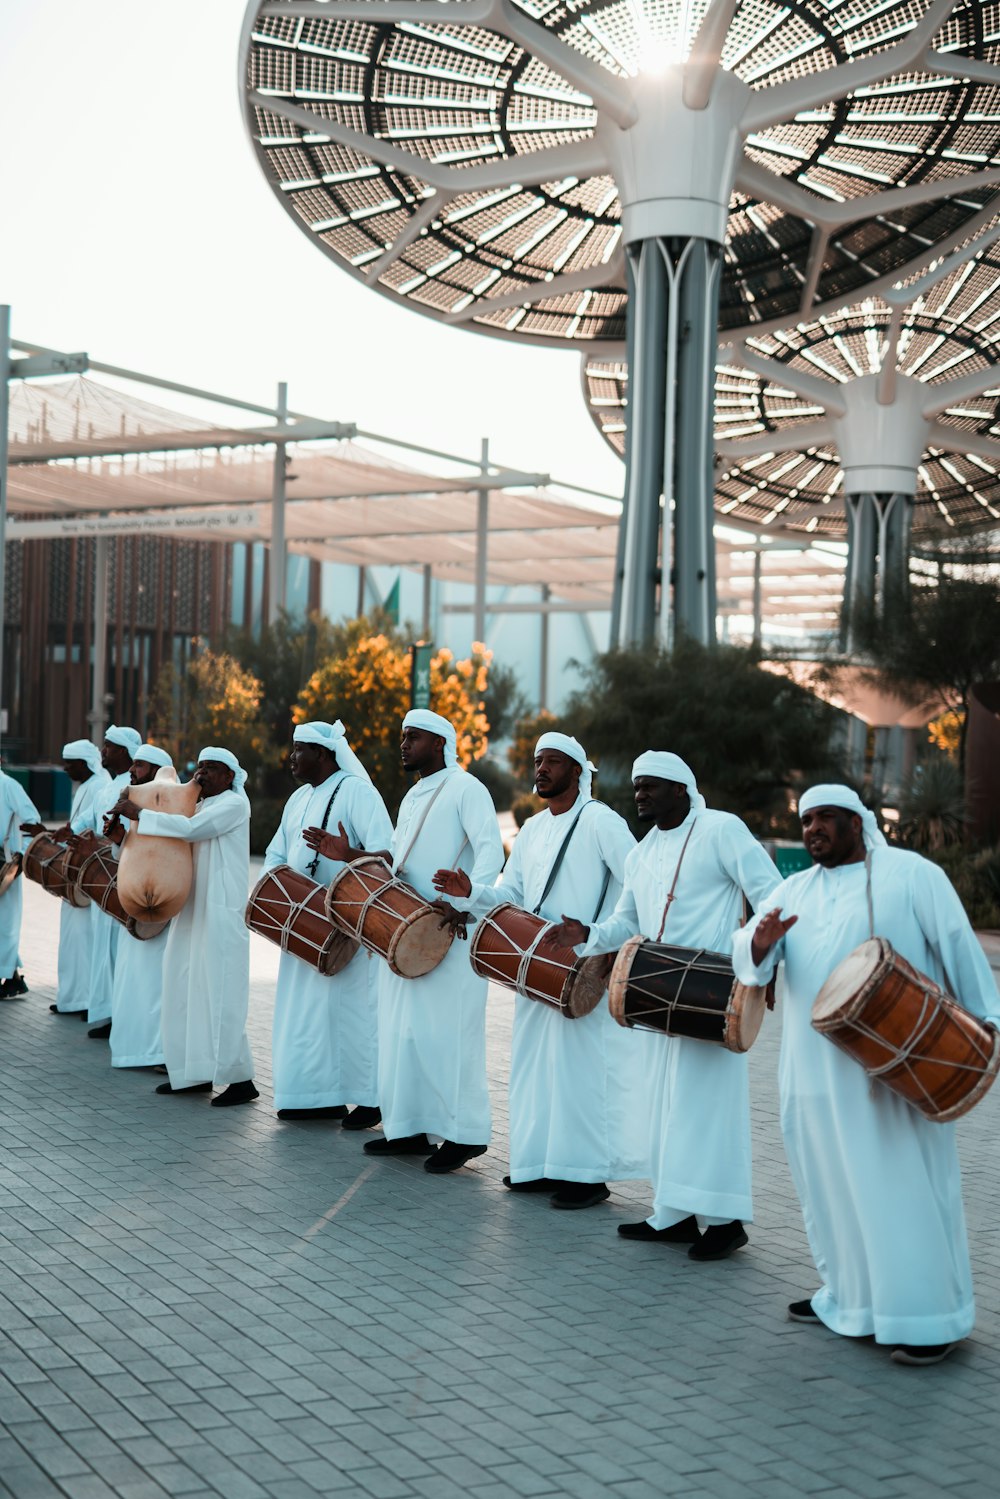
x=589 y=1101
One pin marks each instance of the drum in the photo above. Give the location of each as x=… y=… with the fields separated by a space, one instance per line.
x=906 y=1032
x=289 y=908
x=514 y=948
x=55 y=867
x=388 y=917
x=682 y=991
x=8 y=874
x=98 y=880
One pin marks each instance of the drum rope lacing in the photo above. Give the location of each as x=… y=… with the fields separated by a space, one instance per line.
x=674 y=1003
x=527 y=957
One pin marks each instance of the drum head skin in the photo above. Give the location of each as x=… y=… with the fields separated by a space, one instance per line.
x=747 y=1008
x=850 y=983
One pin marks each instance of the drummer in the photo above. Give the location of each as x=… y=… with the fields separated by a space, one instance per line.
x=138 y=980
x=120 y=744
x=82 y=763
x=575 y=1099
x=432 y=1030
x=879 y=1183
x=325 y=1037
x=685 y=884
x=206 y=962
x=16 y=809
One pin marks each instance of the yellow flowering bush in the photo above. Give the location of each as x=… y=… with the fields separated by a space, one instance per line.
x=213 y=700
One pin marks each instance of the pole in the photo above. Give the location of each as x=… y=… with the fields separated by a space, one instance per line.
x=4 y=420
x=482 y=538
x=278 y=571
x=543 y=652
x=98 y=715
x=757 y=601
x=426 y=624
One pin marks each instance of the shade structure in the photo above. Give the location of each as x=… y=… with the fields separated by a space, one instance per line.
x=640 y=172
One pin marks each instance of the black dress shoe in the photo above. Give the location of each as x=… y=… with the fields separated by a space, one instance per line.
x=363 y=1117
x=194 y=1088
x=100 y=1032
x=334 y=1111
x=16 y=986
x=922 y=1353
x=719 y=1241
x=404 y=1145
x=244 y=1092
x=73 y=1014
x=450 y=1155
x=540 y=1184
x=580 y=1195
x=801 y=1311
x=685 y=1232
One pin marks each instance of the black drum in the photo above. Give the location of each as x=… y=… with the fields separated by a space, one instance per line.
x=683 y=991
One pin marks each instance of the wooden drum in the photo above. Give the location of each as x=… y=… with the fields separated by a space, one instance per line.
x=388 y=917
x=682 y=991
x=289 y=908
x=55 y=867
x=906 y=1032
x=98 y=879
x=515 y=948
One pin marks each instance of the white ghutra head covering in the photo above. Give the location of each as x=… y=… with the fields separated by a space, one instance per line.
x=565 y=744
x=151 y=754
x=228 y=759
x=82 y=749
x=333 y=737
x=668 y=767
x=842 y=796
x=433 y=723
x=129 y=739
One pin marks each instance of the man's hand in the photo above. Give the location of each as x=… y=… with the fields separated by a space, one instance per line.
x=84 y=840
x=331 y=845
x=124 y=807
x=34 y=828
x=113 y=829
x=569 y=932
x=453 y=882
x=451 y=918
x=770 y=929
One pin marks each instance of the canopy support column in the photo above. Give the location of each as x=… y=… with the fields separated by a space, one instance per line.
x=4 y=429
x=277 y=591
x=482 y=543
x=878 y=557
x=97 y=718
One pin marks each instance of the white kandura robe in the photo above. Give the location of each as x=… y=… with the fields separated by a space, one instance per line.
x=879 y=1184
x=325 y=1035
x=432 y=1030
x=135 y=999
x=206 y=964
x=75 y=924
x=699 y=1111
x=107 y=933
x=578 y=1104
x=15 y=807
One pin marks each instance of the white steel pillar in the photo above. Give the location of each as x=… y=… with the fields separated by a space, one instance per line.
x=97 y=718
x=278 y=570
x=4 y=425
x=482 y=544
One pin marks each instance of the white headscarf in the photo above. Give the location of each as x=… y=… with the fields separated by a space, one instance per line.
x=843 y=796
x=668 y=767
x=151 y=754
x=567 y=745
x=82 y=749
x=433 y=723
x=332 y=736
x=129 y=739
x=228 y=759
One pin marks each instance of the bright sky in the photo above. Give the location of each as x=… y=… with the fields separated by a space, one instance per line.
x=137 y=226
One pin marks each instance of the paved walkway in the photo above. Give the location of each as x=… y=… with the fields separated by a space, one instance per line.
x=213 y=1303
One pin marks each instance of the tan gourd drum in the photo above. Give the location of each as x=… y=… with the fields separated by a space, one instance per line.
x=98 y=881
x=155 y=874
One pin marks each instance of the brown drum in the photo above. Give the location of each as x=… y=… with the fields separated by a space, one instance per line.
x=906 y=1032
x=366 y=901
x=289 y=908
x=682 y=991
x=55 y=867
x=8 y=874
x=515 y=948
x=98 y=879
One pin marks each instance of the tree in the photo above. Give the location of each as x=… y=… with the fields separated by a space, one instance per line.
x=751 y=737
x=213 y=700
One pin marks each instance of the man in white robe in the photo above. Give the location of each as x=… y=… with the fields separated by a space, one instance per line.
x=685 y=884
x=325 y=1035
x=432 y=1030
x=138 y=979
x=82 y=763
x=206 y=964
x=120 y=744
x=879 y=1183
x=575 y=1085
x=16 y=810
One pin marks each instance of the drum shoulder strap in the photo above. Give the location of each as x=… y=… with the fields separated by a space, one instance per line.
x=314 y=862
x=557 y=865
x=400 y=865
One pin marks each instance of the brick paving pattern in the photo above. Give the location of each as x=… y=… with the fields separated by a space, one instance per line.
x=207 y=1302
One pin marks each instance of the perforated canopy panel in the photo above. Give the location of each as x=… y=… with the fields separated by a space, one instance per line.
x=446 y=153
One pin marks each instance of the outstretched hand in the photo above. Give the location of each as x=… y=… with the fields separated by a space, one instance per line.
x=454 y=882
x=569 y=932
x=770 y=929
x=330 y=845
